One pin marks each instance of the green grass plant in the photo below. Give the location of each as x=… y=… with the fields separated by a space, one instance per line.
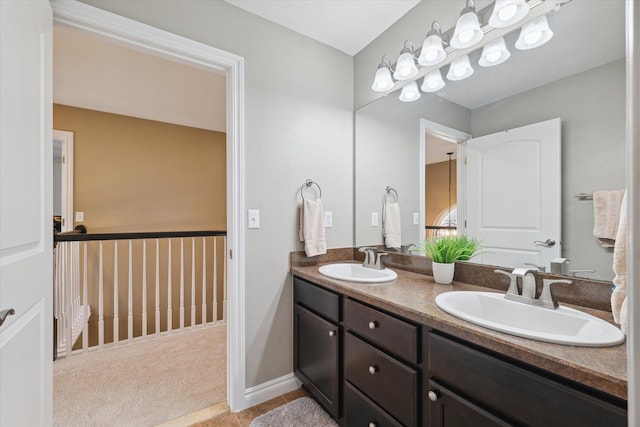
x=449 y=249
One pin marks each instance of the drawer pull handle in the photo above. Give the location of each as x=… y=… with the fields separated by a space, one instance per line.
x=373 y=325
x=373 y=369
x=332 y=333
x=373 y=424
x=433 y=395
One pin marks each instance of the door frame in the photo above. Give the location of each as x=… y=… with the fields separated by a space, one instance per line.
x=148 y=39
x=66 y=187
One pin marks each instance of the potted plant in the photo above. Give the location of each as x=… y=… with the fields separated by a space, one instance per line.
x=445 y=251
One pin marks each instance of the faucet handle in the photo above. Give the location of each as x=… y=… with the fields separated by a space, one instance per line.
x=513 y=287
x=546 y=297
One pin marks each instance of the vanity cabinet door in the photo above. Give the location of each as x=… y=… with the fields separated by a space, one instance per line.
x=447 y=409
x=317 y=357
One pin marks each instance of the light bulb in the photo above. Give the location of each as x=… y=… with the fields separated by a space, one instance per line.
x=432 y=82
x=465 y=36
x=467 y=32
x=405 y=66
x=432 y=52
x=533 y=38
x=534 y=34
x=507 y=12
x=494 y=53
x=382 y=81
x=410 y=92
x=493 y=56
x=460 y=68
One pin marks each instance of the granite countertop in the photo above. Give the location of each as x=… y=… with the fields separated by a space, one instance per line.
x=412 y=296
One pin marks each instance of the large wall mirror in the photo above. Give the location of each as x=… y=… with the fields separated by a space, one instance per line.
x=577 y=77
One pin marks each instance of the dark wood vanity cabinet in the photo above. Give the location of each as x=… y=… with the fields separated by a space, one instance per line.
x=317 y=344
x=370 y=367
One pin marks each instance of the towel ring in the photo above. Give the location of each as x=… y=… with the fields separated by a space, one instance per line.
x=309 y=183
x=390 y=190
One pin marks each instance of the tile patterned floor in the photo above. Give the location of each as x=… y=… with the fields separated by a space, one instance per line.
x=244 y=418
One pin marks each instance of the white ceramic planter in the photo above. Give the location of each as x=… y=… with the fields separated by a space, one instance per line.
x=443 y=273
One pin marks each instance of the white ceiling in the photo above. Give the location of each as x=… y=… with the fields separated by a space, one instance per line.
x=91 y=73
x=347 y=25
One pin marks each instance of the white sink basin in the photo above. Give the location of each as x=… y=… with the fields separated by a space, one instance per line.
x=357 y=273
x=562 y=326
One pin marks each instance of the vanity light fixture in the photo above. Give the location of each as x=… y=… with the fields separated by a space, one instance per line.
x=383 y=81
x=508 y=12
x=432 y=82
x=432 y=52
x=460 y=68
x=410 y=92
x=467 y=32
x=406 y=66
x=534 y=34
x=494 y=53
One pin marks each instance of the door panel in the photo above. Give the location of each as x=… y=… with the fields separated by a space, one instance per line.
x=512 y=181
x=26 y=229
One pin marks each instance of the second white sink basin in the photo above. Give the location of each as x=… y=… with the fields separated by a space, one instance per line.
x=357 y=273
x=561 y=326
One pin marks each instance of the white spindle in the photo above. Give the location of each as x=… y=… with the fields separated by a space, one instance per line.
x=68 y=253
x=215 y=280
x=193 y=281
x=169 y=311
x=224 y=281
x=157 y=286
x=101 y=299
x=181 y=283
x=116 y=318
x=144 y=288
x=85 y=304
x=130 y=295
x=204 y=280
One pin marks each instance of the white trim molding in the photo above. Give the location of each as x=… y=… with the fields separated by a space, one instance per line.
x=136 y=35
x=271 y=389
x=66 y=188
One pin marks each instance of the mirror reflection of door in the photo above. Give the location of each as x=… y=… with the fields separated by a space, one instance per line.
x=62 y=180
x=440 y=187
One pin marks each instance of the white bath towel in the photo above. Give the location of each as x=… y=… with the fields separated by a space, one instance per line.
x=606 y=212
x=312 y=227
x=391 y=225
x=619 y=295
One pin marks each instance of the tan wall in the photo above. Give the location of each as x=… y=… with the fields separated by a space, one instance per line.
x=135 y=175
x=140 y=175
x=437 y=189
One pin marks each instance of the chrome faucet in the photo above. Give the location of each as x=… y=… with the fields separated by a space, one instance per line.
x=528 y=296
x=372 y=258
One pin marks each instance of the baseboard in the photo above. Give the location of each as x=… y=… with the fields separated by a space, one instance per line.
x=270 y=389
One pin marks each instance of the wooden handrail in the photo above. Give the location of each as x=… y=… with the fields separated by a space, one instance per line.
x=74 y=236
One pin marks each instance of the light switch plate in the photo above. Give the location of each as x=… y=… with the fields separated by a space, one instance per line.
x=328 y=219
x=416 y=218
x=79 y=216
x=374 y=219
x=253 y=218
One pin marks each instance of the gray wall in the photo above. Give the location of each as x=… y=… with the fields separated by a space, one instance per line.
x=298 y=125
x=592 y=108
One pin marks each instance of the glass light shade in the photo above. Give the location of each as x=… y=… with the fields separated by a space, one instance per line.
x=508 y=12
x=432 y=52
x=383 y=81
x=410 y=93
x=467 y=32
x=494 y=53
x=459 y=69
x=432 y=82
x=534 y=34
x=406 y=66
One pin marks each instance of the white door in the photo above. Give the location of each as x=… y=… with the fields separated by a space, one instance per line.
x=26 y=338
x=512 y=185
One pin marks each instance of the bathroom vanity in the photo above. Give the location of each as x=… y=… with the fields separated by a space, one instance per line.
x=385 y=355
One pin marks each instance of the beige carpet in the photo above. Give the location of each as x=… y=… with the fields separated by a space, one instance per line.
x=301 y=412
x=142 y=384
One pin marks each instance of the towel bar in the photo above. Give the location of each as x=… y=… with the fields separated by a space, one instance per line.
x=390 y=190
x=584 y=196
x=309 y=183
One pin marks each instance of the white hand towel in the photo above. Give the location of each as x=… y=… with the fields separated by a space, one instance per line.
x=312 y=227
x=391 y=226
x=606 y=213
x=619 y=295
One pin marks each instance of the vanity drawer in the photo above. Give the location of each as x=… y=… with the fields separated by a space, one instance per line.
x=321 y=301
x=389 y=383
x=515 y=392
x=361 y=411
x=391 y=333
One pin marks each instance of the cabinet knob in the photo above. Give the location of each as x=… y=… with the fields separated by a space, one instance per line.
x=373 y=424
x=373 y=369
x=332 y=333
x=433 y=396
x=373 y=325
